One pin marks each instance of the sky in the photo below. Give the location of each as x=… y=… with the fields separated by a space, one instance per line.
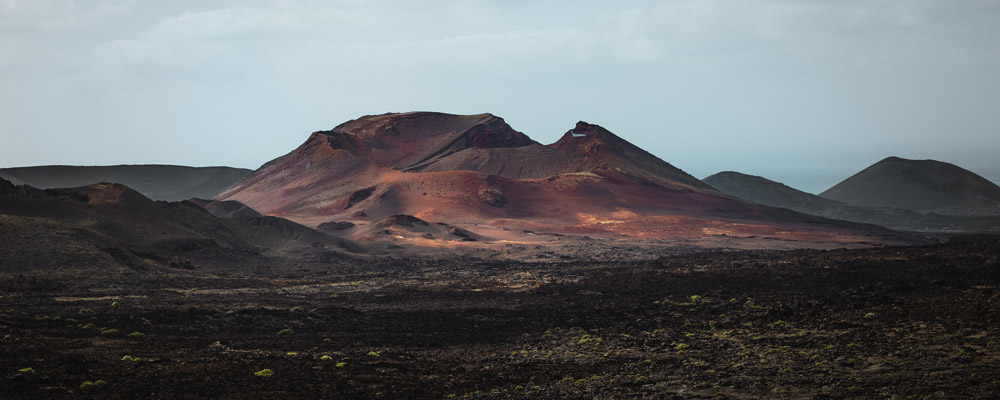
x=803 y=92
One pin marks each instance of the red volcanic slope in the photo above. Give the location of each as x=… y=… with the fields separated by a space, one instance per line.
x=477 y=169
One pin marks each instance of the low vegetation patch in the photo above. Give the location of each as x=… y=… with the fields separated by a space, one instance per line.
x=264 y=372
x=89 y=384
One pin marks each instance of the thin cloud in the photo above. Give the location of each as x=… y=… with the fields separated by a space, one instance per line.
x=16 y=15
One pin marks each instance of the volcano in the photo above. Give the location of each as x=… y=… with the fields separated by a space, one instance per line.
x=919 y=185
x=477 y=172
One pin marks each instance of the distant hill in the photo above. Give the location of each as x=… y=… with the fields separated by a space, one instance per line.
x=158 y=182
x=767 y=192
x=770 y=193
x=919 y=185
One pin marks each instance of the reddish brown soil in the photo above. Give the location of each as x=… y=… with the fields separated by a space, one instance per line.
x=919 y=322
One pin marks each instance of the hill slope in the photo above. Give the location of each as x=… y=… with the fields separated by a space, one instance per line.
x=158 y=182
x=105 y=225
x=770 y=193
x=919 y=185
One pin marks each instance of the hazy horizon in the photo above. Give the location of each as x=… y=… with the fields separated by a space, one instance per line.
x=804 y=93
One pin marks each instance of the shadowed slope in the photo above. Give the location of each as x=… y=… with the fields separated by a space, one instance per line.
x=110 y=224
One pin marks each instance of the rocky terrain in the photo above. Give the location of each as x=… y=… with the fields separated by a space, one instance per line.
x=915 y=322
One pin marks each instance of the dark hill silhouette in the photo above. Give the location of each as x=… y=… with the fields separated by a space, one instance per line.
x=475 y=170
x=770 y=193
x=158 y=182
x=919 y=185
x=108 y=224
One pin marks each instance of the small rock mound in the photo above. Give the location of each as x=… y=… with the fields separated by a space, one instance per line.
x=400 y=220
x=226 y=208
x=335 y=226
x=6 y=187
x=492 y=197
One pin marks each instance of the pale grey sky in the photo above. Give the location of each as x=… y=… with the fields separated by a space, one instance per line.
x=803 y=92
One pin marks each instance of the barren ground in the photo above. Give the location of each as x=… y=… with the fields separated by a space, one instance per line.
x=918 y=322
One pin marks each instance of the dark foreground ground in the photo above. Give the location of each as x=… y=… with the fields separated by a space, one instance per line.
x=888 y=323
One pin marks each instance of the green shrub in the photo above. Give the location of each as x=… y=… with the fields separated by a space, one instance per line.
x=264 y=372
x=326 y=358
x=286 y=331
x=87 y=326
x=137 y=334
x=341 y=364
x=295 y=309
x=870 y=315
x=373 y=354
x=89 y=384
x=695 y=298
x=28 y=370
x=109 y=332
x=292 y=353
